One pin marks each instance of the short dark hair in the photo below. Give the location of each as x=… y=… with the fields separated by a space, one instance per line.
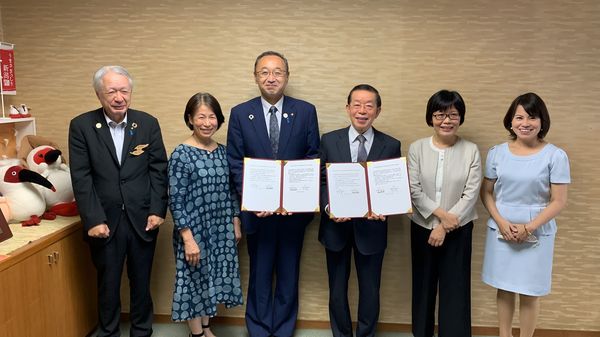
x=274 y=53
x=198 y=100
x=442 y=101
x=366 y=87
x=535 y=107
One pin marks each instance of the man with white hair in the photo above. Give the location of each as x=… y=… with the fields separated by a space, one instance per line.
x=118 y=168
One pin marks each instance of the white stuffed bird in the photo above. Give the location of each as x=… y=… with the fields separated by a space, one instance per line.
x=25 y=202
x=47 y=161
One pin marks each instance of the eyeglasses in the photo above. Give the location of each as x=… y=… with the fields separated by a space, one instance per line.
x=277 y=73
x=440 y=116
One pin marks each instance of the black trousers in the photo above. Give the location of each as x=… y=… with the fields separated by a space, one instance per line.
x=368 y=271
x=109 y=260
x=447 y=268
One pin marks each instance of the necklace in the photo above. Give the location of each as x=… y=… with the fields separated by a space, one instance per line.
x=208 y=146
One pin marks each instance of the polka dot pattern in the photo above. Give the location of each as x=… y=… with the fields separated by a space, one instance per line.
x=201 y=198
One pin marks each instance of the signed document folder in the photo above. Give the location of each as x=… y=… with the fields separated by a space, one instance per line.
x=376 y=187
x=281 y=185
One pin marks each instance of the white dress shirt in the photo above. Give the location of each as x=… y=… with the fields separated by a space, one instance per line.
x=266 y=106
x=117 y=132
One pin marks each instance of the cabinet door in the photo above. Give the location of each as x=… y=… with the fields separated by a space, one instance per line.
x=77 y=287
x=53 y=317
x=50 y=293
x=25 y=296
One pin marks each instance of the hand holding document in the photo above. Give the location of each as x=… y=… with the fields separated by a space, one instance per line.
x=290 y=186
x=358 y=190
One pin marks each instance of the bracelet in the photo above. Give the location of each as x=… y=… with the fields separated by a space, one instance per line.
x=526 y=230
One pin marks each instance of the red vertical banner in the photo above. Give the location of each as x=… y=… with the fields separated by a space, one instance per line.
x=7 y=70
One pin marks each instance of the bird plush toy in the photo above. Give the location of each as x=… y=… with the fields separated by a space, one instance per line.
x=25 y=202
x=47 y=161
x=19 y=111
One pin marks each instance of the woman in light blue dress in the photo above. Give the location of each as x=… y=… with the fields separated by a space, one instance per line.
x=524 y=189
x=206 y=224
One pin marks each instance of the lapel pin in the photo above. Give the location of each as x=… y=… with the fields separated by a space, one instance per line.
x=133 y=127
x=98 y=125
x=139 y=149
x=250 y=117
x=285 y=115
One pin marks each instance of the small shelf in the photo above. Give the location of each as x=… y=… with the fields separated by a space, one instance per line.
x=12 y=131
x=15 y=120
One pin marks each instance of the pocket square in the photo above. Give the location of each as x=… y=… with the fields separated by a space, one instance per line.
x=139 y=149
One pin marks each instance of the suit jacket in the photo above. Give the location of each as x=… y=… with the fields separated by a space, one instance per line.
x=104 y=188
x=370 y=235
x=247 y=136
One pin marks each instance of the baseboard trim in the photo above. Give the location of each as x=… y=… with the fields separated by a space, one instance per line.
x=391 y=327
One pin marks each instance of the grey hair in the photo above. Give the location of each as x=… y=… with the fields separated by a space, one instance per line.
x=97 y=80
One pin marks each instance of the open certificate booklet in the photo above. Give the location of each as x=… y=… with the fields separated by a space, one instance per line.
x=359 y=189
x=281 y=185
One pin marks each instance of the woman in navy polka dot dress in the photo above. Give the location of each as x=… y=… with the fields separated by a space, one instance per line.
x=206 y=225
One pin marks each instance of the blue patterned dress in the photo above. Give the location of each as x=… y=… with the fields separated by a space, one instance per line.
x=201 y=198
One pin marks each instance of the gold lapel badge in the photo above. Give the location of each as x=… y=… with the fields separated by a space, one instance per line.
x=98 y=125
x=139 y=149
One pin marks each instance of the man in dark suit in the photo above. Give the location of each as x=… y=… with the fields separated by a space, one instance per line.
x=118 y=167
x=366 y=237
x=272 y=126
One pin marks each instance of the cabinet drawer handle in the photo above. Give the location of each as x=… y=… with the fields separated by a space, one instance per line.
x=56 y=256
x=50 y=259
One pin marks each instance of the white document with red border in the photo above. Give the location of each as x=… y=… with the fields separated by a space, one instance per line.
x=281 y=185
x=357 y=190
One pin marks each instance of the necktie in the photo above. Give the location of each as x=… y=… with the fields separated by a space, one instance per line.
x=362 y=151
x=274 y=130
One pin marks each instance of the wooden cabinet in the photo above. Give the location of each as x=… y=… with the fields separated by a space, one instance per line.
x=48 y=288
